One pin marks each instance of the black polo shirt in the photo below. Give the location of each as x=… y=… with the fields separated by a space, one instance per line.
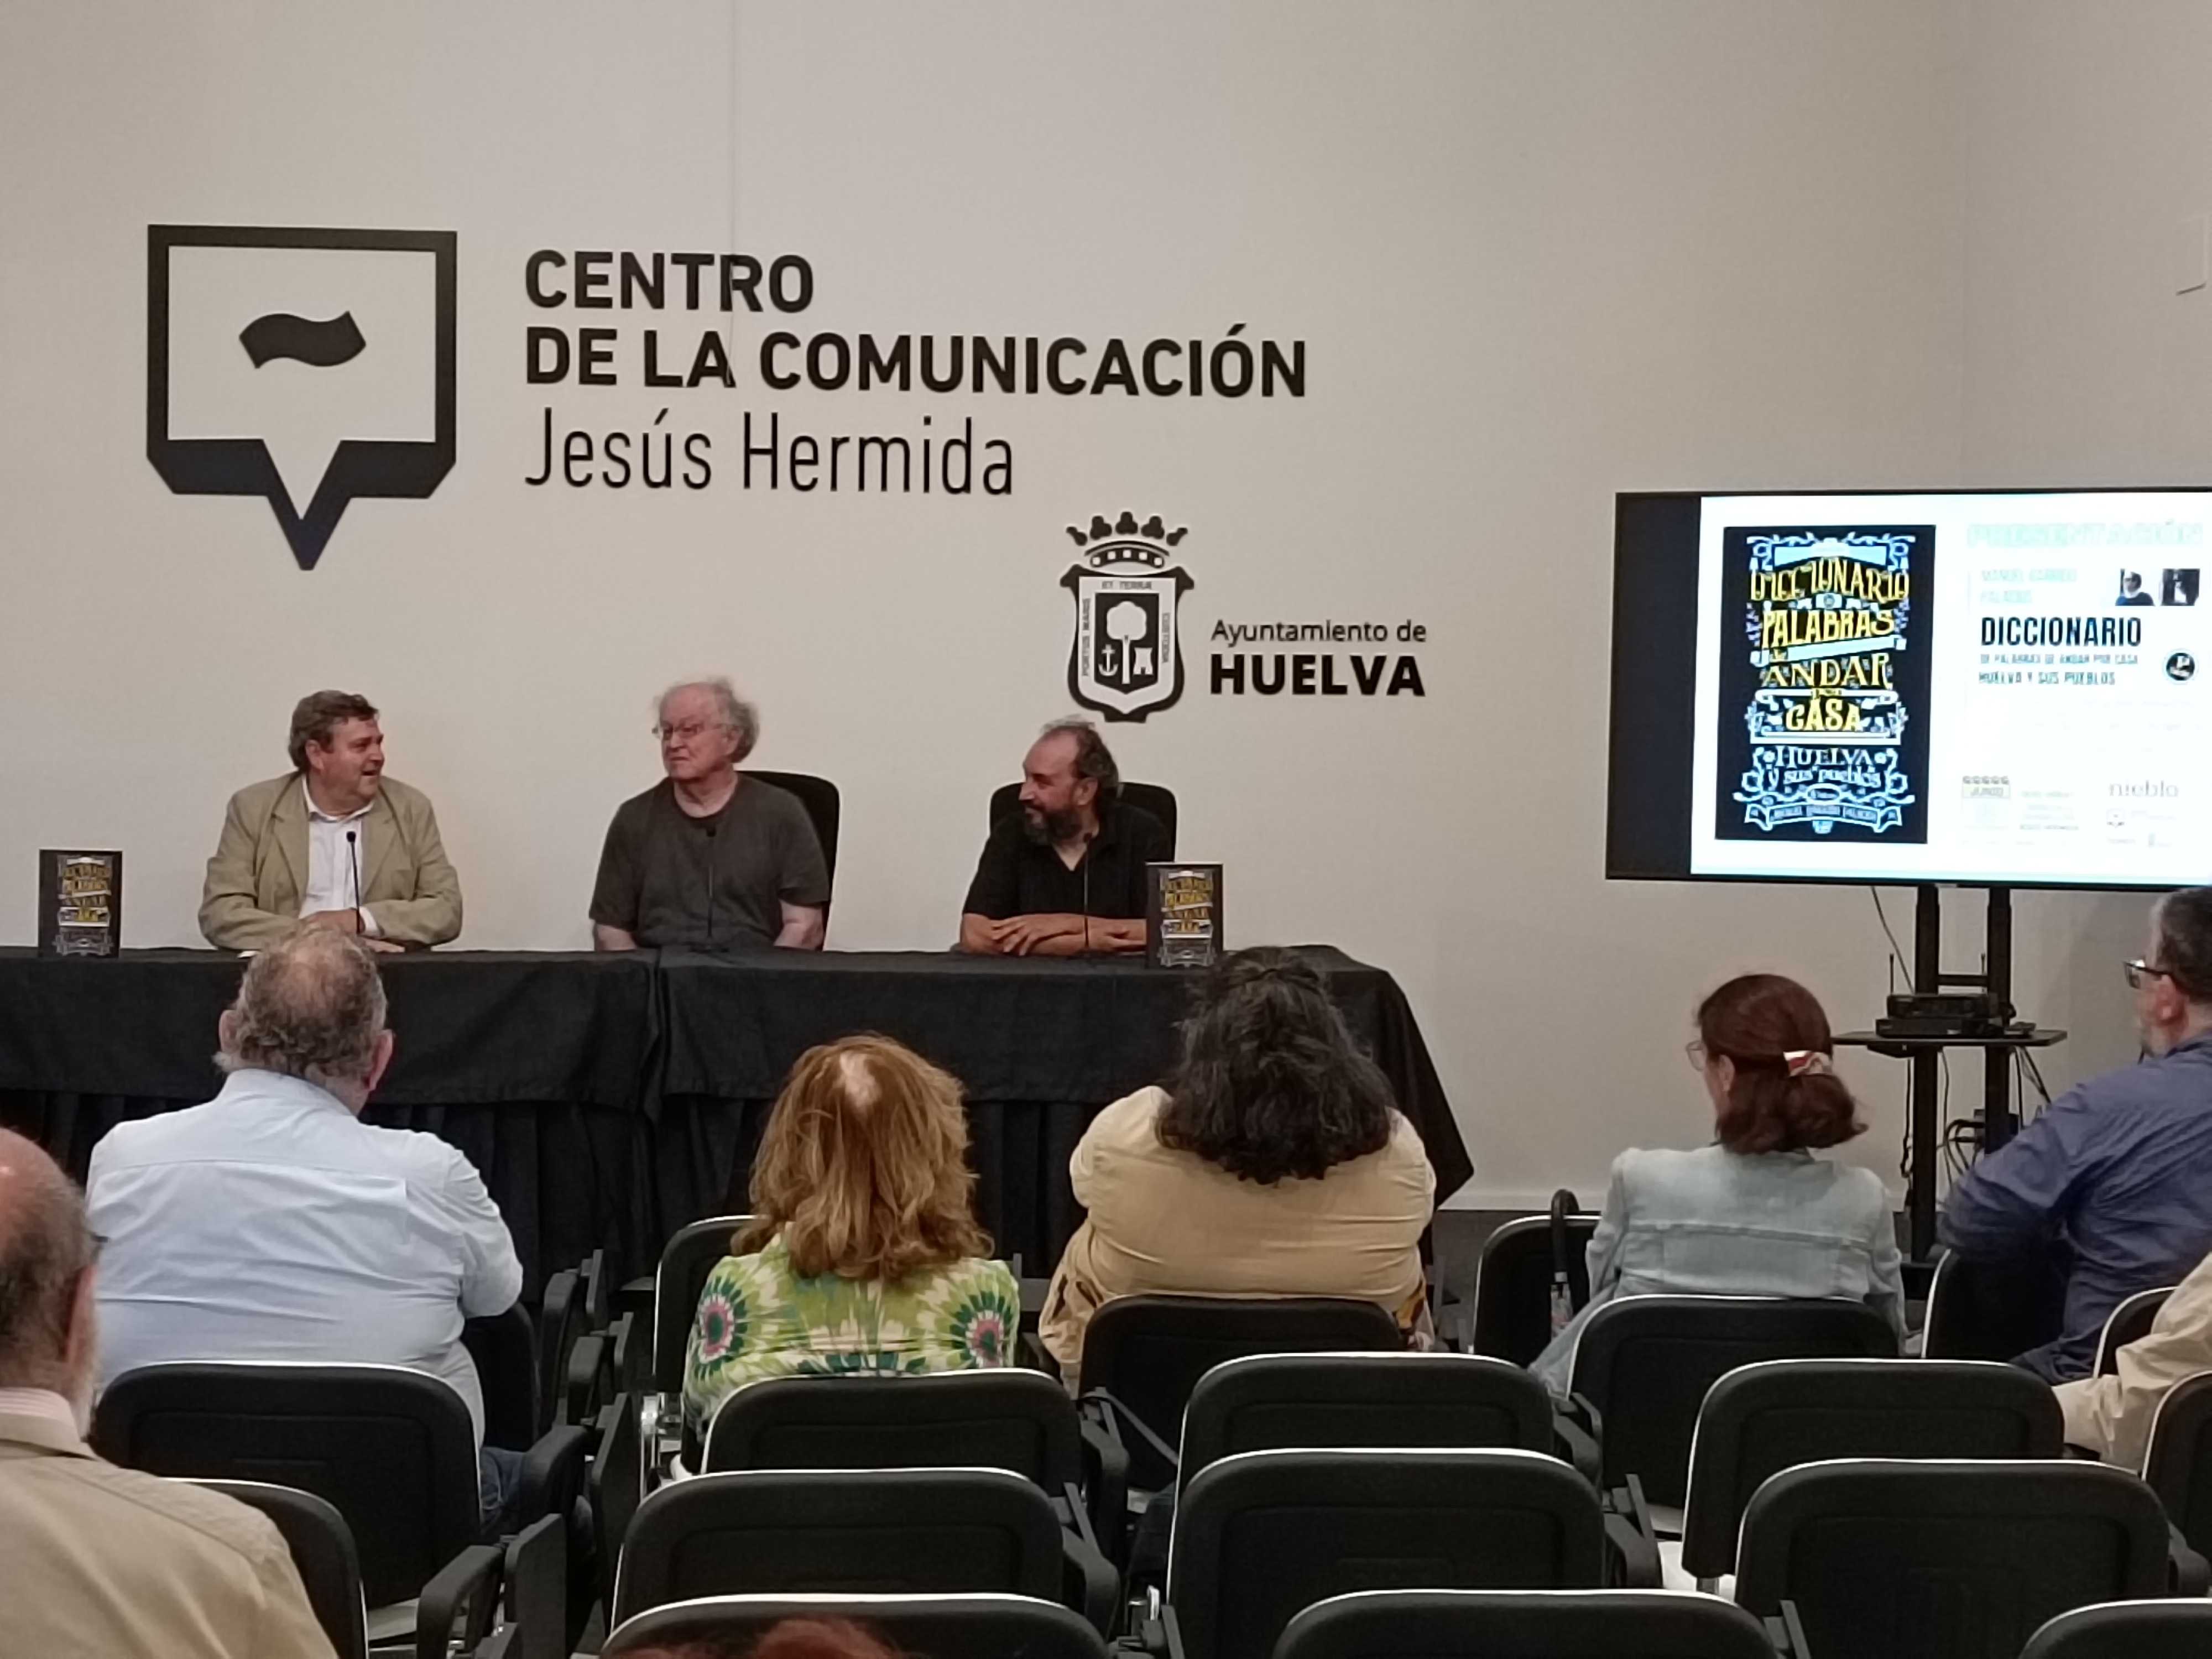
x=1017 y=877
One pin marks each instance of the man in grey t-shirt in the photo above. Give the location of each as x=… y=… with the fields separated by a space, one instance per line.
x=710 y=859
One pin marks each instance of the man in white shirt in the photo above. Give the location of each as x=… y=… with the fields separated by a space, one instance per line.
x=333 y=844
x=272 y=1224
x=103 y=1559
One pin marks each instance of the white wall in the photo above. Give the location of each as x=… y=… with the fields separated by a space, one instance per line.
x=1539 y=252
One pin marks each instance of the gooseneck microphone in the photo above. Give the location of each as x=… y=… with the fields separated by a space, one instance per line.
x=353 y=858
x=712 y=826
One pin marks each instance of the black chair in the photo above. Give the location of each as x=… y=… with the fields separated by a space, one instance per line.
x=820 y=798
x=1018 y=1421
x=2126 y=1323
x=562 y=1324
x=1762 y=1419
x=505 y=1349
x=685 y=1262
x=322 y=1548
x=2126 y=1629
x=390 y=1449
x=961 y=1626
x=1142 y=1356
x=1945 y=1559
x=1980 y=1311
x=1643 y=1365
x=1156 y=798
x=1517 y=1276
x=1265 y=1401
x=615 y=1486
x=1260 y=1535
x=537 y=1592
x=897 y=1531
x=1523 y=1624
x=2178 y=1464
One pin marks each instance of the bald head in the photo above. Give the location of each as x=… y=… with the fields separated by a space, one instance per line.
x=45 y=1249
x=310 y=1006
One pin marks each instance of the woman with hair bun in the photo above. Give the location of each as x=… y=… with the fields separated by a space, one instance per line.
x=1755 y=1213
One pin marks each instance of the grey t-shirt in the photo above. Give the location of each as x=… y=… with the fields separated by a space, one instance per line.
x=713 y=883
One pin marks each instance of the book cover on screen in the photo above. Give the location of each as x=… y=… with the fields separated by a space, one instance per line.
x=80 y=903
x=1182 y=914
x=1823 y=679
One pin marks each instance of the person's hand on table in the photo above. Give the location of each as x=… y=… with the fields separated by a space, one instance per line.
x=1016 y=936
x=384 y=946
x=343 y=922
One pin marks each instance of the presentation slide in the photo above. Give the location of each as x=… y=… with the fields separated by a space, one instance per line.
x=1997 y=687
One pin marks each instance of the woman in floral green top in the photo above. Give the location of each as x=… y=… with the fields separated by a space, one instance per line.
x=863 y=1255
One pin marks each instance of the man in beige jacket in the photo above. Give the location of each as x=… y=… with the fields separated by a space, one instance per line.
x=2111 y=1415
x=334 y=843
x=101 y=1559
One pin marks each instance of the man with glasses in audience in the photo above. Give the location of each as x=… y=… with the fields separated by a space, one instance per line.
x=103 y=1559
x=710 y=859
x=2114 y=1180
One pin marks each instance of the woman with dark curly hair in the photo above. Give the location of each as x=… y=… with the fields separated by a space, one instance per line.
x=1272 y=1164
x=1754 y=1213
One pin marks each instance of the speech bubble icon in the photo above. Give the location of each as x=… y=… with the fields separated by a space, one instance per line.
x=309 y=367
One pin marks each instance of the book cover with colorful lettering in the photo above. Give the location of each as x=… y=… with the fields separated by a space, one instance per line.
x=1824 y=682
x=1182 y=914
x=80 y=903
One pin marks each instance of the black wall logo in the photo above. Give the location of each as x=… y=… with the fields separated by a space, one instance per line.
x=309 y=367
x=1127 y=657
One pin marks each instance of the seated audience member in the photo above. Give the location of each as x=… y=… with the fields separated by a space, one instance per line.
x=1065 y=874
x=101 y=1559
x=794 y=1638
x=1272 y=1164
x=2111 y=1415
x=1754 y=1213
x=863 y=1255
x=710 y=859
x=332 y=843
x=2115 y=1179
x=272 y=1224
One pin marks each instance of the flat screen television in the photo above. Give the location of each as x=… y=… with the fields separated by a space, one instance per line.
x=1994 y=688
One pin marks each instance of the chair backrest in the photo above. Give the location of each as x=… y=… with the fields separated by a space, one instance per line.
x=615 y=1484
x=322 y=1548
x=1512 y=1316
x=960 y=1627
x=1154 y=798
x=392 y=1450
x=535 y=1588
x=2127 y=1630
x=1262 y=1402
x=1762 y=1419
x=685 y=1262
x=1019 y=1420
x=1981 y=1311
x=1148 y=1351
x=2178 y=1461
x=1944 y=1559
x=562 y=1324
x=911 y=1531
x=1260 y=1535
x=504 y=1347
x=1524 y=1625
x=1645 y=1362
x=820 y=798
x=2126 y=1323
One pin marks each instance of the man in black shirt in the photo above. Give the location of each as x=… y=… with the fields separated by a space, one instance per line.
x=710 y=859
x=1065 y=875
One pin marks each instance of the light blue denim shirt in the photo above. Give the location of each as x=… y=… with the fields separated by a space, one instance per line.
x=1716 y=1223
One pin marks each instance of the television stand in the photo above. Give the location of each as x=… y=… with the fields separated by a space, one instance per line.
x=1925 y=1054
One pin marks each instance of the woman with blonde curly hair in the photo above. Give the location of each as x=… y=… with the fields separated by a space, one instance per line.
x=863 y=1255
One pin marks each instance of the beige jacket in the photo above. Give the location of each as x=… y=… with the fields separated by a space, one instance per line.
x=259 y=870
x=100 y=1560
x=2111 y=1415
x=1163 y=1221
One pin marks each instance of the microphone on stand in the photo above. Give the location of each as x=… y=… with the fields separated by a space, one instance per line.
x=353 y=858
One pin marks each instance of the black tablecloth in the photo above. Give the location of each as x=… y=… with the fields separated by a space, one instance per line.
x=609 y=1099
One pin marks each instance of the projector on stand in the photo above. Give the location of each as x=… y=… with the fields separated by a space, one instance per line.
x=1947 y=1014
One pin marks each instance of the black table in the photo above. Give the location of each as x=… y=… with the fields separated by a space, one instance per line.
x=609 y=1099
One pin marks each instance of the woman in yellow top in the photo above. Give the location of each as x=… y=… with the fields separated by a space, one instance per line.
x=1274 y=1164
x=863 y=1255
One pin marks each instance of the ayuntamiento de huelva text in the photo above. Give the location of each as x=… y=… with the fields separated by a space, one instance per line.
x=655 y=453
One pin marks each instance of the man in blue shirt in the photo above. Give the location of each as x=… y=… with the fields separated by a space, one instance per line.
x=2116 y=1178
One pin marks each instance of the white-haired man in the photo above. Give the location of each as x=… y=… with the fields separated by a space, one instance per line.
x=272 y=1224
x=710 y=859
x=103 y=1559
